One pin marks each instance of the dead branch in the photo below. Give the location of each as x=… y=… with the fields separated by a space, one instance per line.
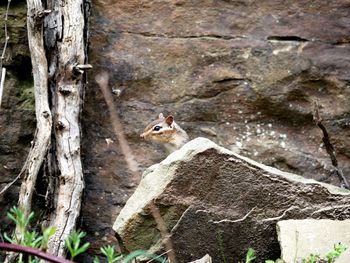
x=67 y=93
x=2 y=83
x=329 y=147
x=2 y=69
x=102 y=80
x=9 y=185
x=42 y=137
x=168 y=244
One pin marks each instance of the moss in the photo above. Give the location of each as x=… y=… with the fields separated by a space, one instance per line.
x=17 y=32
x=26 y=95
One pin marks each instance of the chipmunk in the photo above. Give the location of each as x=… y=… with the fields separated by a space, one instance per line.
x=166 y=132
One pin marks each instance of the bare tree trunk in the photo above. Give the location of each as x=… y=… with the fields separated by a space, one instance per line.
x=66 y=55
x=57 y=39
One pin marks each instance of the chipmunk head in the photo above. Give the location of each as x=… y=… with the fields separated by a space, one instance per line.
x=160 y=130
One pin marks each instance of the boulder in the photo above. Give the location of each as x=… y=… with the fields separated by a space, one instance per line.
x=216 y=202
x=300 y=238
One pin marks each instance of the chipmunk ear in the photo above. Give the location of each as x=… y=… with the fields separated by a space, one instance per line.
x=161 y=116
x=169 y=120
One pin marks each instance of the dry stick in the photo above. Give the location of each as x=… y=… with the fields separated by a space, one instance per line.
x=3 y=70
x=2 y=83
x=5 y=28
x=102 y=80
x=329 y=147
x=42 y=110
x=33 y=252
x=163 y=232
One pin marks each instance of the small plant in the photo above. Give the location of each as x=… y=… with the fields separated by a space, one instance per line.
x=250 y=255
x=73 y=244
x=313 y=258
x=110 y=253
x=335 y=253
x=316 y=258
x=27 y=238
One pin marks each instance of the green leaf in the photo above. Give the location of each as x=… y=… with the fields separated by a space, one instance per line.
x=82 y=249
x=250 y=255
x=47 y=233
x=9 y=239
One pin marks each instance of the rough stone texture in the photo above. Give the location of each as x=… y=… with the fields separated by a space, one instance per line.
x=213 y=199
x=300 y=238
x=241 y=73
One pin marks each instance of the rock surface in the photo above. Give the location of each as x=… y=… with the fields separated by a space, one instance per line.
x=217 y=202
x=300 y=238
x=241 y=73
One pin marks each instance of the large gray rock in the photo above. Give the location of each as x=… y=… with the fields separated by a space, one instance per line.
x=217 y=202
x=300 y=238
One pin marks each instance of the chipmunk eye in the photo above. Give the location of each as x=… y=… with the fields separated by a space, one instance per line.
x=157 y=128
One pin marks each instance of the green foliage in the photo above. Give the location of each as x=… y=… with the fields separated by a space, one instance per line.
x=250 y=255
x=23 y=236
x=330 y=257
x=335 y=253
x=313 y=258
x=73 y=244
x=33 y=239
x=110 y=253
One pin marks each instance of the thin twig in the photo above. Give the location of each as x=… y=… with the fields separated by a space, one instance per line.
x=6 y=33
x=9 y=184
x=168 y=244
x=2 y=69
x=24 y=168
x=329 y=147
x=102 y=80
x=2 y=83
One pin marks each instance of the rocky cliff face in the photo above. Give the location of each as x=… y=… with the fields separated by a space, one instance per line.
x=241 y=73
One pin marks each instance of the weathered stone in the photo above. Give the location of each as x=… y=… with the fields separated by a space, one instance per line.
x=300 y=238
x=241 y=73
x=205 y=259
x=217 y=202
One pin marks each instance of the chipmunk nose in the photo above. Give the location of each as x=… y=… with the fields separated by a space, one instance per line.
x=142 y=135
